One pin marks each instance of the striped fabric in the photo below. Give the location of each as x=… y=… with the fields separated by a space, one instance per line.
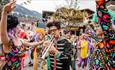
x=62 y=62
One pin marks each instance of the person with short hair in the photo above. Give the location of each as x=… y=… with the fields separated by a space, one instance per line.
x=60 y=52
x=84 y=52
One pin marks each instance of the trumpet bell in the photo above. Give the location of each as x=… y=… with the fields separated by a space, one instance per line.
x=41 y=61
x=42 y=64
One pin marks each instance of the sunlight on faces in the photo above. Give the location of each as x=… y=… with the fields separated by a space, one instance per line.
x=68 y=35
x=54 y=31
x=41 y=36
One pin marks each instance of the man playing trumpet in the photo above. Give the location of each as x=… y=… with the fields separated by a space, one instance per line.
x=60 y=53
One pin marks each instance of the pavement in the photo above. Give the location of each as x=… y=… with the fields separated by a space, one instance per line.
x=31 y=68
x=27 y=67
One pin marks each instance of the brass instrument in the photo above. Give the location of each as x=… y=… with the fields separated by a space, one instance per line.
x=41 y=61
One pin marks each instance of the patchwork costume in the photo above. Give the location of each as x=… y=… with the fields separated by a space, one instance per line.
x=103 y=58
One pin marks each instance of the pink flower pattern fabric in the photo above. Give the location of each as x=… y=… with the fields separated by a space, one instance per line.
x=13 y=59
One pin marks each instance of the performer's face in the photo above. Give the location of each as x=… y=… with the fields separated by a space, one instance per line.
x=83 y=36
x=41 y=36
x=54 y=31
x=68 y=35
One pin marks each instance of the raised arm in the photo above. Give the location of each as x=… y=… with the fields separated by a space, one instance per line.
x=4 y=35
x=33 y=44
x=6 y=9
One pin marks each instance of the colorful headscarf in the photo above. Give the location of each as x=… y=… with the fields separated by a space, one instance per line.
x=40 y=30
x=37 y=33
x=36 y=38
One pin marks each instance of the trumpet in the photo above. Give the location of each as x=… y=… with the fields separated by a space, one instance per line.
x=41 y=61
x=47 y=49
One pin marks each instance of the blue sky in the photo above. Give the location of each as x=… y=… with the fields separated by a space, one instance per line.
x=52 y=5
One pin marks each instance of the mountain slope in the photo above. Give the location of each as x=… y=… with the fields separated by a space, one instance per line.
x=24 y=12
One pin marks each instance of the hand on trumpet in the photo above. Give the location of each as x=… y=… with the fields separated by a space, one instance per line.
x=45 y=44
x=53 y=50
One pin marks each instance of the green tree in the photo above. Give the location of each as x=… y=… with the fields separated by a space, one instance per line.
x=0 y=7
x=2 y=2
